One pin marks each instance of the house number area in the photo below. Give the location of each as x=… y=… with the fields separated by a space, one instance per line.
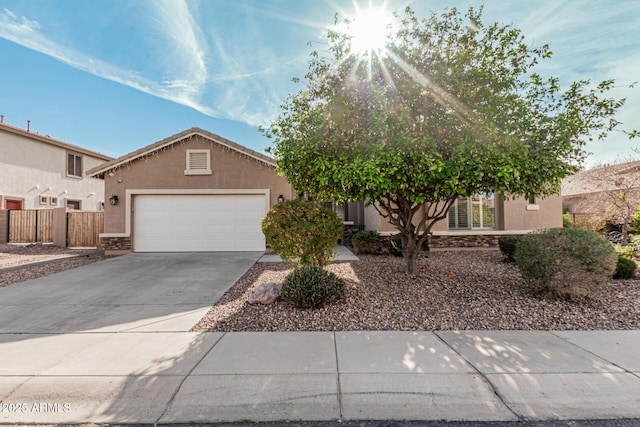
x=35 y=407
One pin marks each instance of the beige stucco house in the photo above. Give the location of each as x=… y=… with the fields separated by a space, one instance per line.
x=40 y=172
x=197 y=191
x=193 y=191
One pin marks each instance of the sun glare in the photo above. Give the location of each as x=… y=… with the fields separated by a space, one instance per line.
x=369 y=30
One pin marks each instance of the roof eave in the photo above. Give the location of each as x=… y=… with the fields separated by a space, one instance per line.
x=101 y=170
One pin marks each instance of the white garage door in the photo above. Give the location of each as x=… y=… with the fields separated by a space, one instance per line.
x=198 y=223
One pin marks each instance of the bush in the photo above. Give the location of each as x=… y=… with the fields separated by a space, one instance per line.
x=395 y=246
x=303 y=231
x=565 y=262
x=508 y=245
x=367 y=242
x=626 y=268
x=312 y=287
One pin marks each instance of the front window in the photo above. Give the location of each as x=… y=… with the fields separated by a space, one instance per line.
x=473 y=213
x=74 y=165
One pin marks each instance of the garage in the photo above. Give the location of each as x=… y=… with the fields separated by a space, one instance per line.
x=198 y=222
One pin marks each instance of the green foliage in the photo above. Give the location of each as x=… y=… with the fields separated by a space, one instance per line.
x=452 y=110
x=566 y=221
x=395 y=246
x=625 y=269
x=508 y=245
x=367 y=242
x=636 y=218
x=565 y=262
x=628 y=251
x=303 y=231
x=312 y=287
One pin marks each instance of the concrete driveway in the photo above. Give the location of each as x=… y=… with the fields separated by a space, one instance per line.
x=139 y=292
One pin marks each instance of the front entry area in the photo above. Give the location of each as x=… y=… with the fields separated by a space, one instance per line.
x=198 y=223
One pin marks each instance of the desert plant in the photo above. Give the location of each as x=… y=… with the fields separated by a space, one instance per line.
x=303 y=231
x=565 y=262
x=312 y=287
x=367 y=242
x=508 y=245
x=625 y=269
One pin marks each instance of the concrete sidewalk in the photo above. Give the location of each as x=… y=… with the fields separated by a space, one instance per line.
x=180 y=377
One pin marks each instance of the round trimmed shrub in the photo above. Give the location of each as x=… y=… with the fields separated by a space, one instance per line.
x=367 y=242
x=565 y=262
x=508 y=246
x=303 y=231
x=312 y=287
x=626 y=268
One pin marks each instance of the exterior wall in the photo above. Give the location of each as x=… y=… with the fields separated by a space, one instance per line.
x=164 y=173
x=513 y=217
x=30 y=168
x=520 y=215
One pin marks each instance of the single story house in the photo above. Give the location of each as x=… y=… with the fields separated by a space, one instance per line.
x=594 y=191
x=193 y=191
x=604 y=197
x=196 y=191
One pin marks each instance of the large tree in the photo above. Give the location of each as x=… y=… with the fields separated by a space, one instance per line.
x=448 y=108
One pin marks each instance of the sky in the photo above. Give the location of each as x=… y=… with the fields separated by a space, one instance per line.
x=116 y=75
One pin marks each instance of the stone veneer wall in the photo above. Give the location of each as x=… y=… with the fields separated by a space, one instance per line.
x=116 y=243
x=464 y=241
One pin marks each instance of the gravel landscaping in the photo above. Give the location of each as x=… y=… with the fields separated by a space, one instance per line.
x=24 y=262
x=455 y=290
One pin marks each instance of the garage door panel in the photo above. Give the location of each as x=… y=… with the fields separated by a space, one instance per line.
x=186 y=223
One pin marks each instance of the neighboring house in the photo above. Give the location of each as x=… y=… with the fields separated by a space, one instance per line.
x=40 y=172
x=194 y=191
x=610 y=192
x=480 y=221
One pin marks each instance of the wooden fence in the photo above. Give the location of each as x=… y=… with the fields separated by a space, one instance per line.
x=36 y=225
x=84 y=228
x=30 y=226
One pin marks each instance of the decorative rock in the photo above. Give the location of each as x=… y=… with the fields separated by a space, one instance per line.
x=265 y=293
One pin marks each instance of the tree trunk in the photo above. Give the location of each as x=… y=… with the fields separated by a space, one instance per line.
x=411 y=252
x=625 y=235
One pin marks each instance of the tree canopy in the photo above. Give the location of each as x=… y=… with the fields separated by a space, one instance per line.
x=449 y=108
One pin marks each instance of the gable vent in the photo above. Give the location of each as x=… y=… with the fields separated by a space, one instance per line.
x=198 y=162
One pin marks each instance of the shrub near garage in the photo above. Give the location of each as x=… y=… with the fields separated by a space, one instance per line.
x=565 y=262
x=303 y=231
